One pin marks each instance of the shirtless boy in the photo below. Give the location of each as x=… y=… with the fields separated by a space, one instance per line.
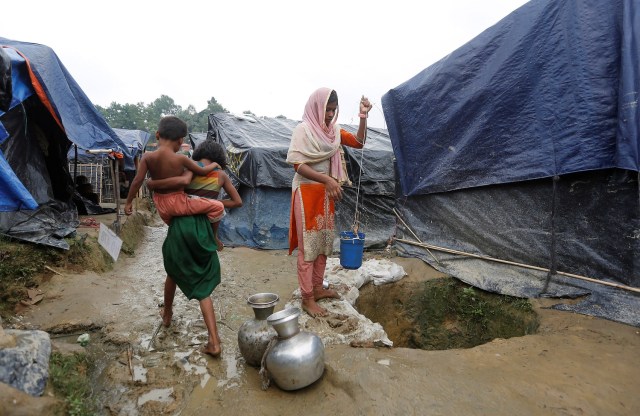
x=166 y=163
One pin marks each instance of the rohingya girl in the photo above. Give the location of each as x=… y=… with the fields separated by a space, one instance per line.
x=318 y=159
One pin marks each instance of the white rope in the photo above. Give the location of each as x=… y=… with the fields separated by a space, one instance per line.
x=356 y=218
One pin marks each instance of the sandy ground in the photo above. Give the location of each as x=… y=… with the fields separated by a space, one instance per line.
x=575 y=365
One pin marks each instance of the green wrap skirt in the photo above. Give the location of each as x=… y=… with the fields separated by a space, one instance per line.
x=191 y=257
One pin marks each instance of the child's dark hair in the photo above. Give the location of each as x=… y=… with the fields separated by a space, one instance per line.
x=81 y=179
x=172 y=128
x=211 y=150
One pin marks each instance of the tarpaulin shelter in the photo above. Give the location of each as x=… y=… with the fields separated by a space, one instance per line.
x=257 y=152
x=134 y=140
x=522 y=145
x=43 y=111
x=100 y=168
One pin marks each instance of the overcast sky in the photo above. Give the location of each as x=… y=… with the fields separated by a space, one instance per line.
x=266 y=56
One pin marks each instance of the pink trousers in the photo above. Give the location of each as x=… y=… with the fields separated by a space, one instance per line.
x=310 y=273
x=179 y=204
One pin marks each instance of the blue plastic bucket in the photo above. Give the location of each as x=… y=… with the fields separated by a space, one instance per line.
x=351 y=249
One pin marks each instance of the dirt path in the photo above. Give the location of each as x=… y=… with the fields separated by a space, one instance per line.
x=575 y=365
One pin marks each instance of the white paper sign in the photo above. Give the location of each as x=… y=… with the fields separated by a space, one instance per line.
x=109 y=241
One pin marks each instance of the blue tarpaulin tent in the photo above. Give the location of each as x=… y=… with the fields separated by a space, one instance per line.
x=550 y=90
x=522 y=145
x=44 y=112
x=136 y=141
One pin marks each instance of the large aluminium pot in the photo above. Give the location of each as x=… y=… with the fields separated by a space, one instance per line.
x=297 y=358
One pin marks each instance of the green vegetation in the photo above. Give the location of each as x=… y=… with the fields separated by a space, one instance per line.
x=445 y=313
x=450 y=314
x=68 y=374
x=145 y=117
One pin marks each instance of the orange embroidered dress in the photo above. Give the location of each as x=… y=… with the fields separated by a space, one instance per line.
x=317 y=210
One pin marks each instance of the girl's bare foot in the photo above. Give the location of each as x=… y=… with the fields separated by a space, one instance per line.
x=213 y=350
x=312 y=308
x=322 y=293
x=166 y=315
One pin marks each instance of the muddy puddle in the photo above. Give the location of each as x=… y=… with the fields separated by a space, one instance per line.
x=151 y=369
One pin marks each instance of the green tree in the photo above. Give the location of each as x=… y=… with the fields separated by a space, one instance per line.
x=125 y=116
x=189 y=116
x=200 y=121
x=145 y=117
x=163 y=106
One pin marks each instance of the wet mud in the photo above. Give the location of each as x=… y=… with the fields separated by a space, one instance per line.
x=573 y=365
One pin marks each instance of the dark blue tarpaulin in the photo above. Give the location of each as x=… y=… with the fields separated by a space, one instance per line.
x=42 y=112
x=82 y=122
x=552 y=89
x=517 y=157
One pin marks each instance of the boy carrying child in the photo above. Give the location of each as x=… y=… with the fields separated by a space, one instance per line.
x=189 y=251
x=207 y=186
x=166 y=163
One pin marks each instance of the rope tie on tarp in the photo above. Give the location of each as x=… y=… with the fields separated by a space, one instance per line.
x=553 y=267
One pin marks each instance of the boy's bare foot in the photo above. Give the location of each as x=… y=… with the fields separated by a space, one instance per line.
x=312 y=308
x=321 y=293
x=213 y=350
x=166 y=315
x=219 y=244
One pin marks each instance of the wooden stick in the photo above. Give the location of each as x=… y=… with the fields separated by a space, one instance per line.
x=129 y=357
x=414 y=234
x=153 y=337
x=513 y=263
x=50 y=269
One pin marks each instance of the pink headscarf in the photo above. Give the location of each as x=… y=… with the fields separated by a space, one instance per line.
x=314 y=113
x=313 y=141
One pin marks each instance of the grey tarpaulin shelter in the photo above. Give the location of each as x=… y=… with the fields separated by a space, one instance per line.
x=256 y=153
x=522 y=145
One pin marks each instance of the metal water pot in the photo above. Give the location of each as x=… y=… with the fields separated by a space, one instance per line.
x=297 y=358
x=254 y=335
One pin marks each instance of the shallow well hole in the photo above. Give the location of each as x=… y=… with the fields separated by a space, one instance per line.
x=445 y=313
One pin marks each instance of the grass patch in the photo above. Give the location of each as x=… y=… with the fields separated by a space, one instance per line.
x=445 y=313
x=452 y=314
x=68 y=375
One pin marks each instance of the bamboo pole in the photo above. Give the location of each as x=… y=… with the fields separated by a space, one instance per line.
x=130 y=361
x=513 y=263
x=414 y=234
